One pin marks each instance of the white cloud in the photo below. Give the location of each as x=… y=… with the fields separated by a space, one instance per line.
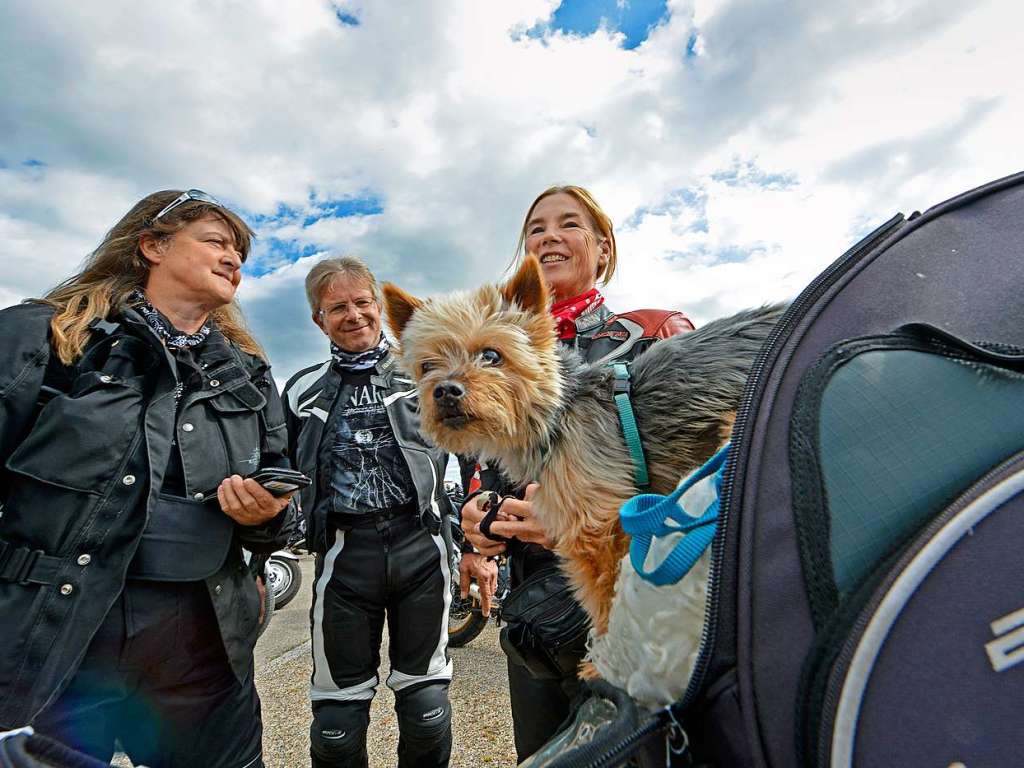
x=455 y=119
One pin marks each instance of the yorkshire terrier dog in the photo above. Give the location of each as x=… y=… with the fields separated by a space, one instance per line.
x=494 y=383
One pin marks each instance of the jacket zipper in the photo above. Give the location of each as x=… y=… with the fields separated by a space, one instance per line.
x=741 y=434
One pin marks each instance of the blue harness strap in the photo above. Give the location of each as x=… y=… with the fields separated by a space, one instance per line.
x=651 y=515
x=629 y=428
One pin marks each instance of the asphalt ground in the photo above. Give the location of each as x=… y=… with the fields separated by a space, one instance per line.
x=482 y=723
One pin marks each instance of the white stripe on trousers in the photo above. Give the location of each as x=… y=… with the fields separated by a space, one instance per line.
x=439 y=668
x=322 y=685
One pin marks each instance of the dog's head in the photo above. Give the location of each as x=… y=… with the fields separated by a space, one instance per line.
x=485 y=362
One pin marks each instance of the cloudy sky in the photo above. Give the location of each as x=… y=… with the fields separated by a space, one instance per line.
x=739 y=145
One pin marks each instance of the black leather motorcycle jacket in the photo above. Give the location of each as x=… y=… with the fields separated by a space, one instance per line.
x=310 y=397
x=82 y=466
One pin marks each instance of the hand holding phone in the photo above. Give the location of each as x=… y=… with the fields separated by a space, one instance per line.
x=279 y=481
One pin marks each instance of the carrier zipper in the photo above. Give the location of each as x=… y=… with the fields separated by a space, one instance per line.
x=741 y=435
x=608 y=758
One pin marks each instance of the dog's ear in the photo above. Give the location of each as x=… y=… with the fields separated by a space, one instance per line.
x=527 y=287
x=400 y=306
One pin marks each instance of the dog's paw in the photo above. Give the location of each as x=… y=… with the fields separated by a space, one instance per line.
x=588 y=671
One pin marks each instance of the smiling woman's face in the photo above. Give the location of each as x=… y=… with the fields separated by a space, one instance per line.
x=560 y=232
x=349 y=314
x=199 y=263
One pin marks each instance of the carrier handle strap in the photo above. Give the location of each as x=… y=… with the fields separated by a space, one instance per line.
x=650 y=515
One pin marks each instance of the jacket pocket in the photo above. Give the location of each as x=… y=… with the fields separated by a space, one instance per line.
x=80 y=437
x=225 y=440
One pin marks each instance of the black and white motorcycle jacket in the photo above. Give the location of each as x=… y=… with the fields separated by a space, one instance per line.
x=310 y=397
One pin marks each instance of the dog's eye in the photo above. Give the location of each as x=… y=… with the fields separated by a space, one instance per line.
x=491 y=356
x=426 y=367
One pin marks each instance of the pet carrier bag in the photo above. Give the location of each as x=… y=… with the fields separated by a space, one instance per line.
x=866 y=597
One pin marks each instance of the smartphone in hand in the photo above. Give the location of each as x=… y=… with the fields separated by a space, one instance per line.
x=279 y=480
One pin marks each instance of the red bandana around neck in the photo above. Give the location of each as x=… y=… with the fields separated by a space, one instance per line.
x=565 y=312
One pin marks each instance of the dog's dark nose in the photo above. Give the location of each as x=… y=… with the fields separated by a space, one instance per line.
x=449 y=390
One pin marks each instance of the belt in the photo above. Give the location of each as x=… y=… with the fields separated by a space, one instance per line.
x=27 y=566
x=406 y=512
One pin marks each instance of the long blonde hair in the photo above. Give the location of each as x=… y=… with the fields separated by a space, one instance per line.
x=601 y=220
x=117 y=267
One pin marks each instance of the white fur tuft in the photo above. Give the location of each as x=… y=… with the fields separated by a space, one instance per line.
x=654 y=633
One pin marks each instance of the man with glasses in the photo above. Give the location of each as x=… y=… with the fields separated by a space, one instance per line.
x=374 y=514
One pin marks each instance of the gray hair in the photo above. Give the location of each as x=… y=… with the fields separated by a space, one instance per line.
x=321 y=276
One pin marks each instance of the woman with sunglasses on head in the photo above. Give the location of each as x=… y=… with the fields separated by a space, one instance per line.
x=574 y=240
x=133 y=406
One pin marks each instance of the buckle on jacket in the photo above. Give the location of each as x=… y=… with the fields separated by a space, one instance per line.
x=18 y=564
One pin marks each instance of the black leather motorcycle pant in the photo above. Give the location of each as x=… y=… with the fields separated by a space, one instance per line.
x=156 y=679
x=384 y=567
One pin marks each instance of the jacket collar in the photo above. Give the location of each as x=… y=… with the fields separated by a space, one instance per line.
x=591 y=321
x=212 y=353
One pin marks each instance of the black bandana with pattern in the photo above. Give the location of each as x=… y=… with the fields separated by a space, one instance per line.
x=360 y=361
x=163 y=327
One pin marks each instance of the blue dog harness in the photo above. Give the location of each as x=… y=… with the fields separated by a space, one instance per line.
x=628 y=422
x=650 y=515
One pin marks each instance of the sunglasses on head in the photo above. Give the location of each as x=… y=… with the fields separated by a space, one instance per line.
x=184 y=197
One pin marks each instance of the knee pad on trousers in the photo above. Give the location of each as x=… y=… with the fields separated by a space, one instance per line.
x=425 y=719
x=337 y=737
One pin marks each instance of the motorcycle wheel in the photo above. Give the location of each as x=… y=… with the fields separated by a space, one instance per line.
x=284 y=578
x=464 y=623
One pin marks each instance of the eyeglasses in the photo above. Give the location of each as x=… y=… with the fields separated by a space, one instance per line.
x=184 y=197
x=340 y=310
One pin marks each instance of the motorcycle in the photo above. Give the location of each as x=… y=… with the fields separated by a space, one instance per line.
x=466 y=620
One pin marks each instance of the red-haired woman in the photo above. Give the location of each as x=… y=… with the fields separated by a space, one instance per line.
x=574 y=240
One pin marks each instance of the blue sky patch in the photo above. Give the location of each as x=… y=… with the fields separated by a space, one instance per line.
x=347 y=19
x=746 y=173
x=275 y=252
x=283 y=214
x=314 y=210
x=673 y=204
x=691 y=46
x=343 y=207
x=730 y=254
x=633 y=18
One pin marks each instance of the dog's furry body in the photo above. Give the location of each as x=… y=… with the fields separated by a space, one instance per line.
x=547 y=417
